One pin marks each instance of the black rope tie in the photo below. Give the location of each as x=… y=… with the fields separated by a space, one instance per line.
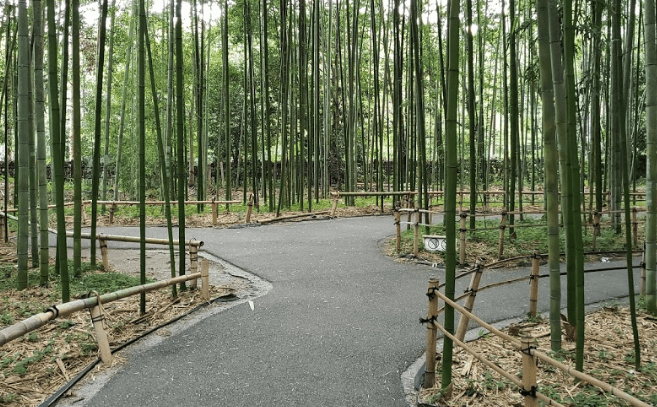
x=54 y=310
x=532 y=277
x=469 y=290
x=530 y=392
x=431 y=293
x=432 y=320
x=99 y=318
x=528 y=350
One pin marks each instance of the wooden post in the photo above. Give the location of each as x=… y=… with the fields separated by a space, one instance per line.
x=84 y=213
x=635 y=223
x=596 y=228
x=205 y=280
x=334 y=208
x=193 y=260
x=528 y=373
x=2 y=227
x=469 y=302
x=112 y=209
x=398 y=227
x=249 y=210
x=463 y=229
x=432 y=313
x=97 y=318
x=103 y=251
x=408 y=220
x=533 y=283
x=500 y=251
x=416 y=231
x=215 y=211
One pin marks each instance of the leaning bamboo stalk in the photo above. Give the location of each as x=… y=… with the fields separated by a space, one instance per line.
x=469 y=302
x=432 y=313
x=591 y=380
x=493 y=366
x=301 y=215
x=36 y=321
x=135 y=239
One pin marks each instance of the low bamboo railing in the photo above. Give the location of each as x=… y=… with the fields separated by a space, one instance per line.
x=94 y=304
x=528 y=383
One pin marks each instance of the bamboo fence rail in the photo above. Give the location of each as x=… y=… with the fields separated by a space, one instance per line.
x=529 y=354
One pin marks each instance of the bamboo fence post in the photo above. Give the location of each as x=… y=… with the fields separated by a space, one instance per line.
x=97 y=318
x=193 y=260
x=500 y=251
x=334 y=208
x=249 y=210
x=469 y=302
x=528 y=373
x=643 y=270
x=103 y=251
x=460 y=201
x=215 y=211
x=463 y=229
x=205 y=280
x=112 y=209
x=635 y=223
x=398 y=227
x=2 y=227
x=533 y=283
x=84 y=213
x=596 y=228
x=432 y=314
x=416 y=233
x=408 y=220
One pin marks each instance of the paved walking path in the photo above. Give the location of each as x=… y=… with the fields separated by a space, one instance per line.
x=338 y=327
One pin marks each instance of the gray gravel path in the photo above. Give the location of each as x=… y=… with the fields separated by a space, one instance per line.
x=338 y=327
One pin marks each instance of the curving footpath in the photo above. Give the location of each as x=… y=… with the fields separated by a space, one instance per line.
x=338 y=327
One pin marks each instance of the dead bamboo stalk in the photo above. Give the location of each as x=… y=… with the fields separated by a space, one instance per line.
x=398 y=227
x=432 y=313
x=533 y=283
x=528 y=373
x=469 y=302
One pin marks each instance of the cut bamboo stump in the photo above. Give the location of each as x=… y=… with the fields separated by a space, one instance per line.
x=205 y=280
x=528 y=373
x=533 y=283
x=464 y=320
x=432 y=314
x=398 y=227
x=97 y=318
x=193 y=260
x=103 y=251
x=462 y=230
x=500 y=250
x=249 y=210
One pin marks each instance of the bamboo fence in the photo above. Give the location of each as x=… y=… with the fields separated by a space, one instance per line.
x=529 y=355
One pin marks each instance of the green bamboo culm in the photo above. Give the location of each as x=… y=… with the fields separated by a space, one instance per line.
x=164 y=174
x=551 y=174
x=77 y=142
x=180 y=135
x=651 y=146
x=226 y=93
x=57 y=154
x=23 y=144
x=450 y=184
x=39 y=99
x=141 y=109
x=95 y=181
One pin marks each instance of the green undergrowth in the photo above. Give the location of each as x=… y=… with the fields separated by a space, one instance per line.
x=484 y=243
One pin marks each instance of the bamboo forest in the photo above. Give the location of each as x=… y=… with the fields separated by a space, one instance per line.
x=446 y=114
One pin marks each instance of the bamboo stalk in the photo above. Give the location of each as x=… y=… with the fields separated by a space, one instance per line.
x=462 y=230
x=398 y=228
x=36 y=321
x=635 y=224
